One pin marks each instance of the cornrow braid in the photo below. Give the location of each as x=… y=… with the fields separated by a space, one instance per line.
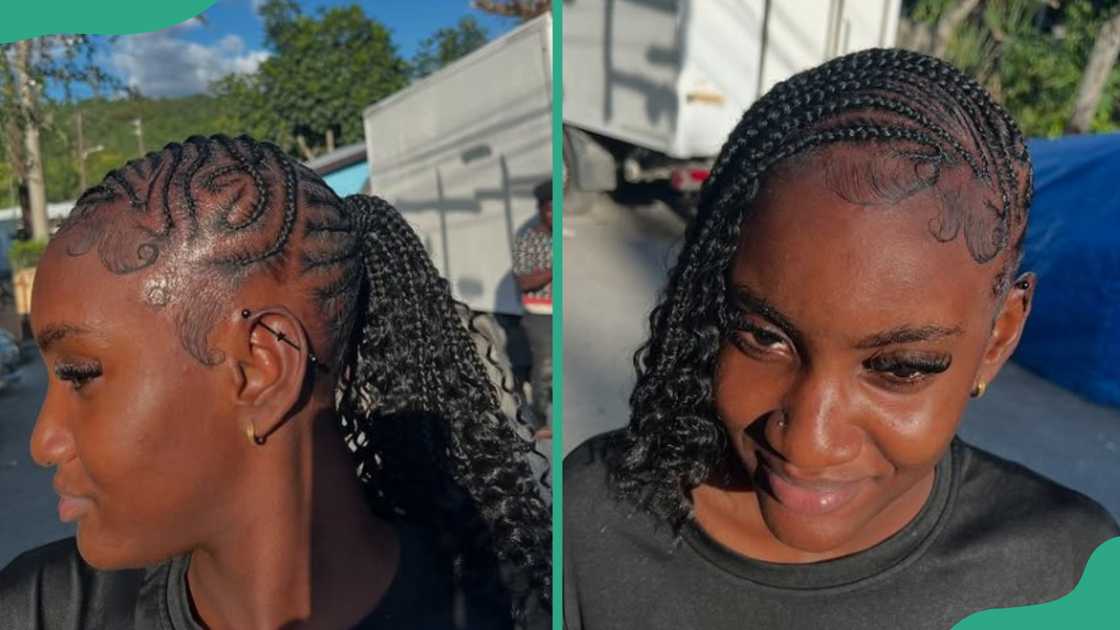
x=904 y=107
x=414 y=398
x=411 y=333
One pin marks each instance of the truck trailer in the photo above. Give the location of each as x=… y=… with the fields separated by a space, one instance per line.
x=652 y=88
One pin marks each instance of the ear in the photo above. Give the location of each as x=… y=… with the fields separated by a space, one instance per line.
x=269 y=360
x=1008 y=327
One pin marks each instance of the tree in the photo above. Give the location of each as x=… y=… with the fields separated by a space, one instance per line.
x=27 y=68
x=522 y=9
x=447 y=45
x=932 y=37
x=1097 y=71
x=1032 y=55
x=309 y=95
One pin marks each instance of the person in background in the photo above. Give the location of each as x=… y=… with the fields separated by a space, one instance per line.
x=532 y=267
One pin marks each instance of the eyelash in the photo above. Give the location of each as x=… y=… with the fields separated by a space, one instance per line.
x=77 y=375
x=755 y=340
x=896 y=371
x=907 y=371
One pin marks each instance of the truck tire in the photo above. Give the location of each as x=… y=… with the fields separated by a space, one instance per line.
x=589 y=170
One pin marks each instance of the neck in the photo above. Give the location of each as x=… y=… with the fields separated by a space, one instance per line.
x=303 y=550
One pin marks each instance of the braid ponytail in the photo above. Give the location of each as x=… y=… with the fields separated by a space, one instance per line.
x=418 y=408
x=418 y=388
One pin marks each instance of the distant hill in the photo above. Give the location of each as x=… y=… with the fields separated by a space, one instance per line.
x=109 y=123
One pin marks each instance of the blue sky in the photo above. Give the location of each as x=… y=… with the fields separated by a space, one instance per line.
x=185 y=58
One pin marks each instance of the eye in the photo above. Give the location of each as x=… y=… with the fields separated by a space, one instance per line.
x=908 y=370
x=77 y=374
x=756 y=340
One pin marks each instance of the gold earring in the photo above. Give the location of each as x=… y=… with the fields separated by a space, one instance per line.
x=979 y=390
x=251 y=433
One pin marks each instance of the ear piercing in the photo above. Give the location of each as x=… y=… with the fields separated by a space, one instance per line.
x=979 y=390
x=251 y=433
x=280 y=336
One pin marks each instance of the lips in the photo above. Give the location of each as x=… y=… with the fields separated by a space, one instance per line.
x=810 y=497
x=71 y=506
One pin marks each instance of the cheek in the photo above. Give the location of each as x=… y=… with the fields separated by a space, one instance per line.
x=913 y=431
x=745 y=389
x=149 y=445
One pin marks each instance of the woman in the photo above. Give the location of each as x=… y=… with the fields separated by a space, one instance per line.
x=265 y=411
x=790 y=461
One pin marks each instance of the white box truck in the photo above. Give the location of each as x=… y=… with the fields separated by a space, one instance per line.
x=459 y=153
x=652 y=88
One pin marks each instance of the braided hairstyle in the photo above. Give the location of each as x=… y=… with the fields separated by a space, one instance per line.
x=920 y=125
x=413 y=397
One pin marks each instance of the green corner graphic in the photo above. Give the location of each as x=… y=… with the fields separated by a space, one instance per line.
x=1093 y=603
x=34 y=18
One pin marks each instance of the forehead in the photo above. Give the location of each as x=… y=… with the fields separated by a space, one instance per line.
x=80 y=291
x=853 y=266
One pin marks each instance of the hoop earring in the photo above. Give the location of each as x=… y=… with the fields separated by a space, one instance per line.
x=251 y=433
x=979 y=390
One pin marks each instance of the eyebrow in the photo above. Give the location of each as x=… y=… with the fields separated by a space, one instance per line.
x=747 y=299
x=907 y=334
x=51 y=334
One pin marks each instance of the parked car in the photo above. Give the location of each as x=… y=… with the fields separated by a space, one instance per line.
x=10 y=358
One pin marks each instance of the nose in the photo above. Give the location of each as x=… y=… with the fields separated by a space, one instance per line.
x=52 y=443
x=817 y=426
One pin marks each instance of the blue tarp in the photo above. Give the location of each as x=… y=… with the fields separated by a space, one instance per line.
x=1073 y=243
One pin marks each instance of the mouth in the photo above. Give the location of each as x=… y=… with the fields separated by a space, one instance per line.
x=71 y=507
x=813 y=497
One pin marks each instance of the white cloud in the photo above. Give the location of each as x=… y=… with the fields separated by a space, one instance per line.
x=161 y=64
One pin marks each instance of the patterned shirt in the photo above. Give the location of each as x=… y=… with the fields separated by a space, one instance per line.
x=532 y=252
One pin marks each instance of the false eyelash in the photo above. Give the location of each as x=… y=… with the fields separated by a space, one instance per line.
x=930 y=365
x=77 y=373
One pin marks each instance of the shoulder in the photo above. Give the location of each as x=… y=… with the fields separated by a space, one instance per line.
x=586 y=469
x=54 y=563
x=532 y=230
x=1033 y=514
x=1023 y=493
x=51 y=586
x=594 y=512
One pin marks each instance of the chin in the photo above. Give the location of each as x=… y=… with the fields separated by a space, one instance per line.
x=811 y=534
x=111 y=553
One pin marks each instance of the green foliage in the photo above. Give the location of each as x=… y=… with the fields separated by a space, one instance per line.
x=447 y=45
x=108 y=123
x=323 y=73
x=26 y=254
x=1031 y=56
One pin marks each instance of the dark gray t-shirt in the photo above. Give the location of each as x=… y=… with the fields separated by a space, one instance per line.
x=992 y=534
x=52 y=588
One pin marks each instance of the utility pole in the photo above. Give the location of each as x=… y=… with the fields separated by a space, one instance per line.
x=81 y=154
x=138 y=129
x=28 y=99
